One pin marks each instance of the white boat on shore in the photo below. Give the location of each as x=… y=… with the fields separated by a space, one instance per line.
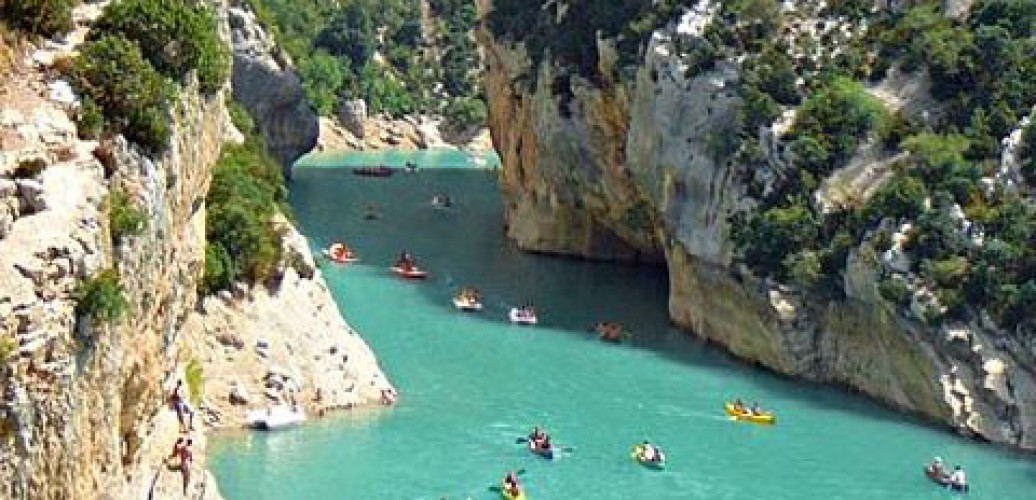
x=274 y=417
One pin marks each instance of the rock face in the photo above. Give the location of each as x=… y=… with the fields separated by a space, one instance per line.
x=637 y=167
x=82 y=406
x=266 y=84
x=289 y=345
x=83 y=402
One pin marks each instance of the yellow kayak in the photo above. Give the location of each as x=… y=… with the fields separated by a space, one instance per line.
x=506 y=494
x=767 y=418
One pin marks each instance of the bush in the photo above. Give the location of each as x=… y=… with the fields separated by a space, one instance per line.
x=837 y=117
x=894 y=289
x=902 y=197
x=769 y=237
x=8 y=346
x=465 y=112
x=90 y=119
x=43 y=17
x=101 y=297
x=195 y=378
x=176 y=36
x=125 y=218
x=244 y=245
x=135 y=98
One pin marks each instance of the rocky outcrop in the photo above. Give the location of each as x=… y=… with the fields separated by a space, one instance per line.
x=637 y=164
x=259 y=347
x=266 y=84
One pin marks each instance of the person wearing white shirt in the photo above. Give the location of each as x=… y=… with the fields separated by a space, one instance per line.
x=959 y=480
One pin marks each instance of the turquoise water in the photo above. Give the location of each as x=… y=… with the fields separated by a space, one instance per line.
x=426 y=158
x=472 y=384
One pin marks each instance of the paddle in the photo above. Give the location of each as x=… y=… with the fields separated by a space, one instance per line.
x=497 y=488
x=567 y=449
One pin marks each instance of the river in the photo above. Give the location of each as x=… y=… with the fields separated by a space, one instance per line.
x=473 y=383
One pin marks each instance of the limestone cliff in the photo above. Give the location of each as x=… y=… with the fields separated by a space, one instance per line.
x=634 y=160
x=265 y=82
x=83 y=410
x=83 y=400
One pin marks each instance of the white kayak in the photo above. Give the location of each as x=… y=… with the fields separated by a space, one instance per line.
x=521 y=317
x=274 y=417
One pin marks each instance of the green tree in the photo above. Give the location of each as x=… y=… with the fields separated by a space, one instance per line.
x=176 y=36
x=135 y=98
x=350 y=34
x=44 y=17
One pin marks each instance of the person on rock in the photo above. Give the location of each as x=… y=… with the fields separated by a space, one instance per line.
x=184 y=414
x=186 y=459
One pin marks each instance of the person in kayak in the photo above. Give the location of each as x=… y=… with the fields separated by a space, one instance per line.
x=405 y=261
x=739 y=406
x=936 y=468
x=511 y=484
x=959 y=480
x=649 y=452
x=544 y=443
x=536 y=435
x=755 y=409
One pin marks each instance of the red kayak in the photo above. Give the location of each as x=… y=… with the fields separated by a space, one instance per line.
x=374 y=171
x=413 y=273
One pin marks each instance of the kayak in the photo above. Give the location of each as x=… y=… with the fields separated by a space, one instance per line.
x=414 y=273
x=339 y=257
x=746 y=416
x=467 y=304
x=522 y=318
x=943 y=480
x=536 y=450
x=637 y=453
x=506 y=495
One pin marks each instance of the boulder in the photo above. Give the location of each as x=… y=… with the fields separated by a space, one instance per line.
x=352 y=114
x=31 y=192
x=239 y=395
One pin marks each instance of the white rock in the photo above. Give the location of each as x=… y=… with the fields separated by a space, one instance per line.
x=61 y=93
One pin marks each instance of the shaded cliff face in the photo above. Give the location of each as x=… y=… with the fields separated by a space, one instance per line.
x=635 y=161
x=265 y=82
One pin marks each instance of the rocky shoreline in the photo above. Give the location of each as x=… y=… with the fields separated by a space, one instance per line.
x=259 y=347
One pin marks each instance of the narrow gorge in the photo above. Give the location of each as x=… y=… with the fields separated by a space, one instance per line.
x=685 y=133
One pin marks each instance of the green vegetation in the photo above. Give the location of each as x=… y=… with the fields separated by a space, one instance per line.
x=101 y=297
x=175 y=36
x=984 y=83
x=134 y=98
x=124 y=216
x=334 y=48
x=8 y=346
x=195 y=377
x=247 y=190
x=42 y=17
x=125 y=70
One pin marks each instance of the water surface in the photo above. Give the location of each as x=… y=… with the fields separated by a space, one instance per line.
x=472 y=383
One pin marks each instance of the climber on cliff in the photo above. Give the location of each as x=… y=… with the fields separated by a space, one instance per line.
x=186 y=458
x=183 y=410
